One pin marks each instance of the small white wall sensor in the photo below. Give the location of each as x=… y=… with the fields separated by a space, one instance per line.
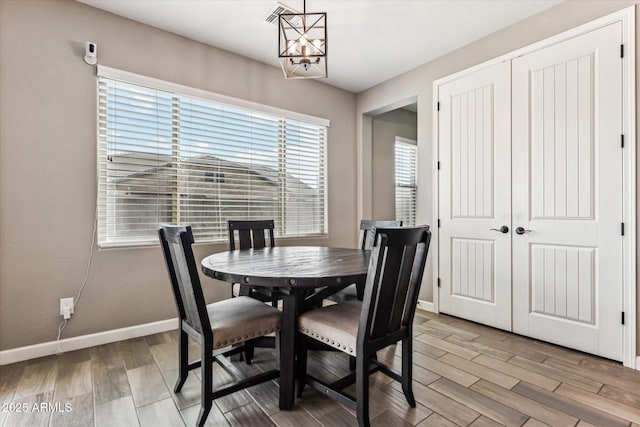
x=91 y=53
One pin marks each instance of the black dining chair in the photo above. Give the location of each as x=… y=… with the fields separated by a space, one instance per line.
x=366 y=240
x=253 y=235
x=382 y=318
x=213 y=326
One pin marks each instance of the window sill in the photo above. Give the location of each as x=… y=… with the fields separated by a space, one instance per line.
x=282 y=241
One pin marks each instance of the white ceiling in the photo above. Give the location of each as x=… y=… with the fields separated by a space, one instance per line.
x=369 y=41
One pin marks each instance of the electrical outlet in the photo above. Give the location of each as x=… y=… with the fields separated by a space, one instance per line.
x=66 y=307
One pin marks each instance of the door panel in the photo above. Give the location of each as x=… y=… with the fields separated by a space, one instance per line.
x=563 y=282
x=473 y=269
x=567 y=190
x=475 y=196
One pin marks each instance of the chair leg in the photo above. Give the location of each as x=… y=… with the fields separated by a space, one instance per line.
x=277 y=345
x=183 y=360
x=407 y=375
x=352 y=363
x=301 y=366
x=363 y=363
x=249 y=350
x=206 y=398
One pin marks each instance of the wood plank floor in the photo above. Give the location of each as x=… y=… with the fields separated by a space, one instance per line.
x=465 y=374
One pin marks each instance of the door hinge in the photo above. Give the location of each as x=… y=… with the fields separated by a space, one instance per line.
x=438 y=222
x=438 y=282
x=622 y=141
x=621 y=51
x=622 y=228
x=438 y=106
x=438 y=164
x=623 y=317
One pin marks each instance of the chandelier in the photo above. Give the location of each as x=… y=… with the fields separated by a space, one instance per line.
x=302 y=44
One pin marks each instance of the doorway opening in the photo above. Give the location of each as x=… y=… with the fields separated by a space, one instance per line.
x=381 y=189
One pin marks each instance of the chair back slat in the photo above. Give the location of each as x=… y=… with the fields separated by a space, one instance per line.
x=251 y=234
x=393 y=280
x=413 y=292
x=244 y=239
x=368 y=227
x=176 y=244
x=258 y=239
x=402 y=288
x=385 y=293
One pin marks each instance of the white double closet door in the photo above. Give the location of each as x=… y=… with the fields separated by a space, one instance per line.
x=530 y=194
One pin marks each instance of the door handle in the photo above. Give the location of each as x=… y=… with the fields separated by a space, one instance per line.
x=504 y=229
x=522 y=230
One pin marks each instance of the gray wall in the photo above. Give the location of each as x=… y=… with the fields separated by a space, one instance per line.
x=418 y=84
x=48 y=163
x=385 y=129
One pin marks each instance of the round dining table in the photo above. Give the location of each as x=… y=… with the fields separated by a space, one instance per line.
x=303 y=274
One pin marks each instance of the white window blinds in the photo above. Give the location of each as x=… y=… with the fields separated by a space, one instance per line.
x=406 y=181
x=170 y=157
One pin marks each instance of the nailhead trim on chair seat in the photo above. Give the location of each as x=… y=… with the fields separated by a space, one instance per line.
x=329 y=341
x=335 y=325
x=239 y=339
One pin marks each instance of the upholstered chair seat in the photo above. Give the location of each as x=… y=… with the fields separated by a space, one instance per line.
x=334 y=325
x=240 y=319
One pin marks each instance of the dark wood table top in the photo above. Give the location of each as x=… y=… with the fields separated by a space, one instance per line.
x=289 y=266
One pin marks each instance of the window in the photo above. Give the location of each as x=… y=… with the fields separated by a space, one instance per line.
x=166 y=155
x=406 y=180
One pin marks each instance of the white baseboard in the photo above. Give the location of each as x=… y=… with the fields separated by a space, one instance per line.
x=427 y=306
x=84 y=341
x=637 y=367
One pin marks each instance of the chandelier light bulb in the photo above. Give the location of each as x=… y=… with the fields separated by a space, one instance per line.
x=291 y=47
x=304 y=48
x=317 y=44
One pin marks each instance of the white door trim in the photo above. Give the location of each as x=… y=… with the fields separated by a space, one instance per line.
x=629 y=185
x=627 y=18
x=435 y=175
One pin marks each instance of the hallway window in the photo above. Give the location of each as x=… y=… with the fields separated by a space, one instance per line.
x=406 y=180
